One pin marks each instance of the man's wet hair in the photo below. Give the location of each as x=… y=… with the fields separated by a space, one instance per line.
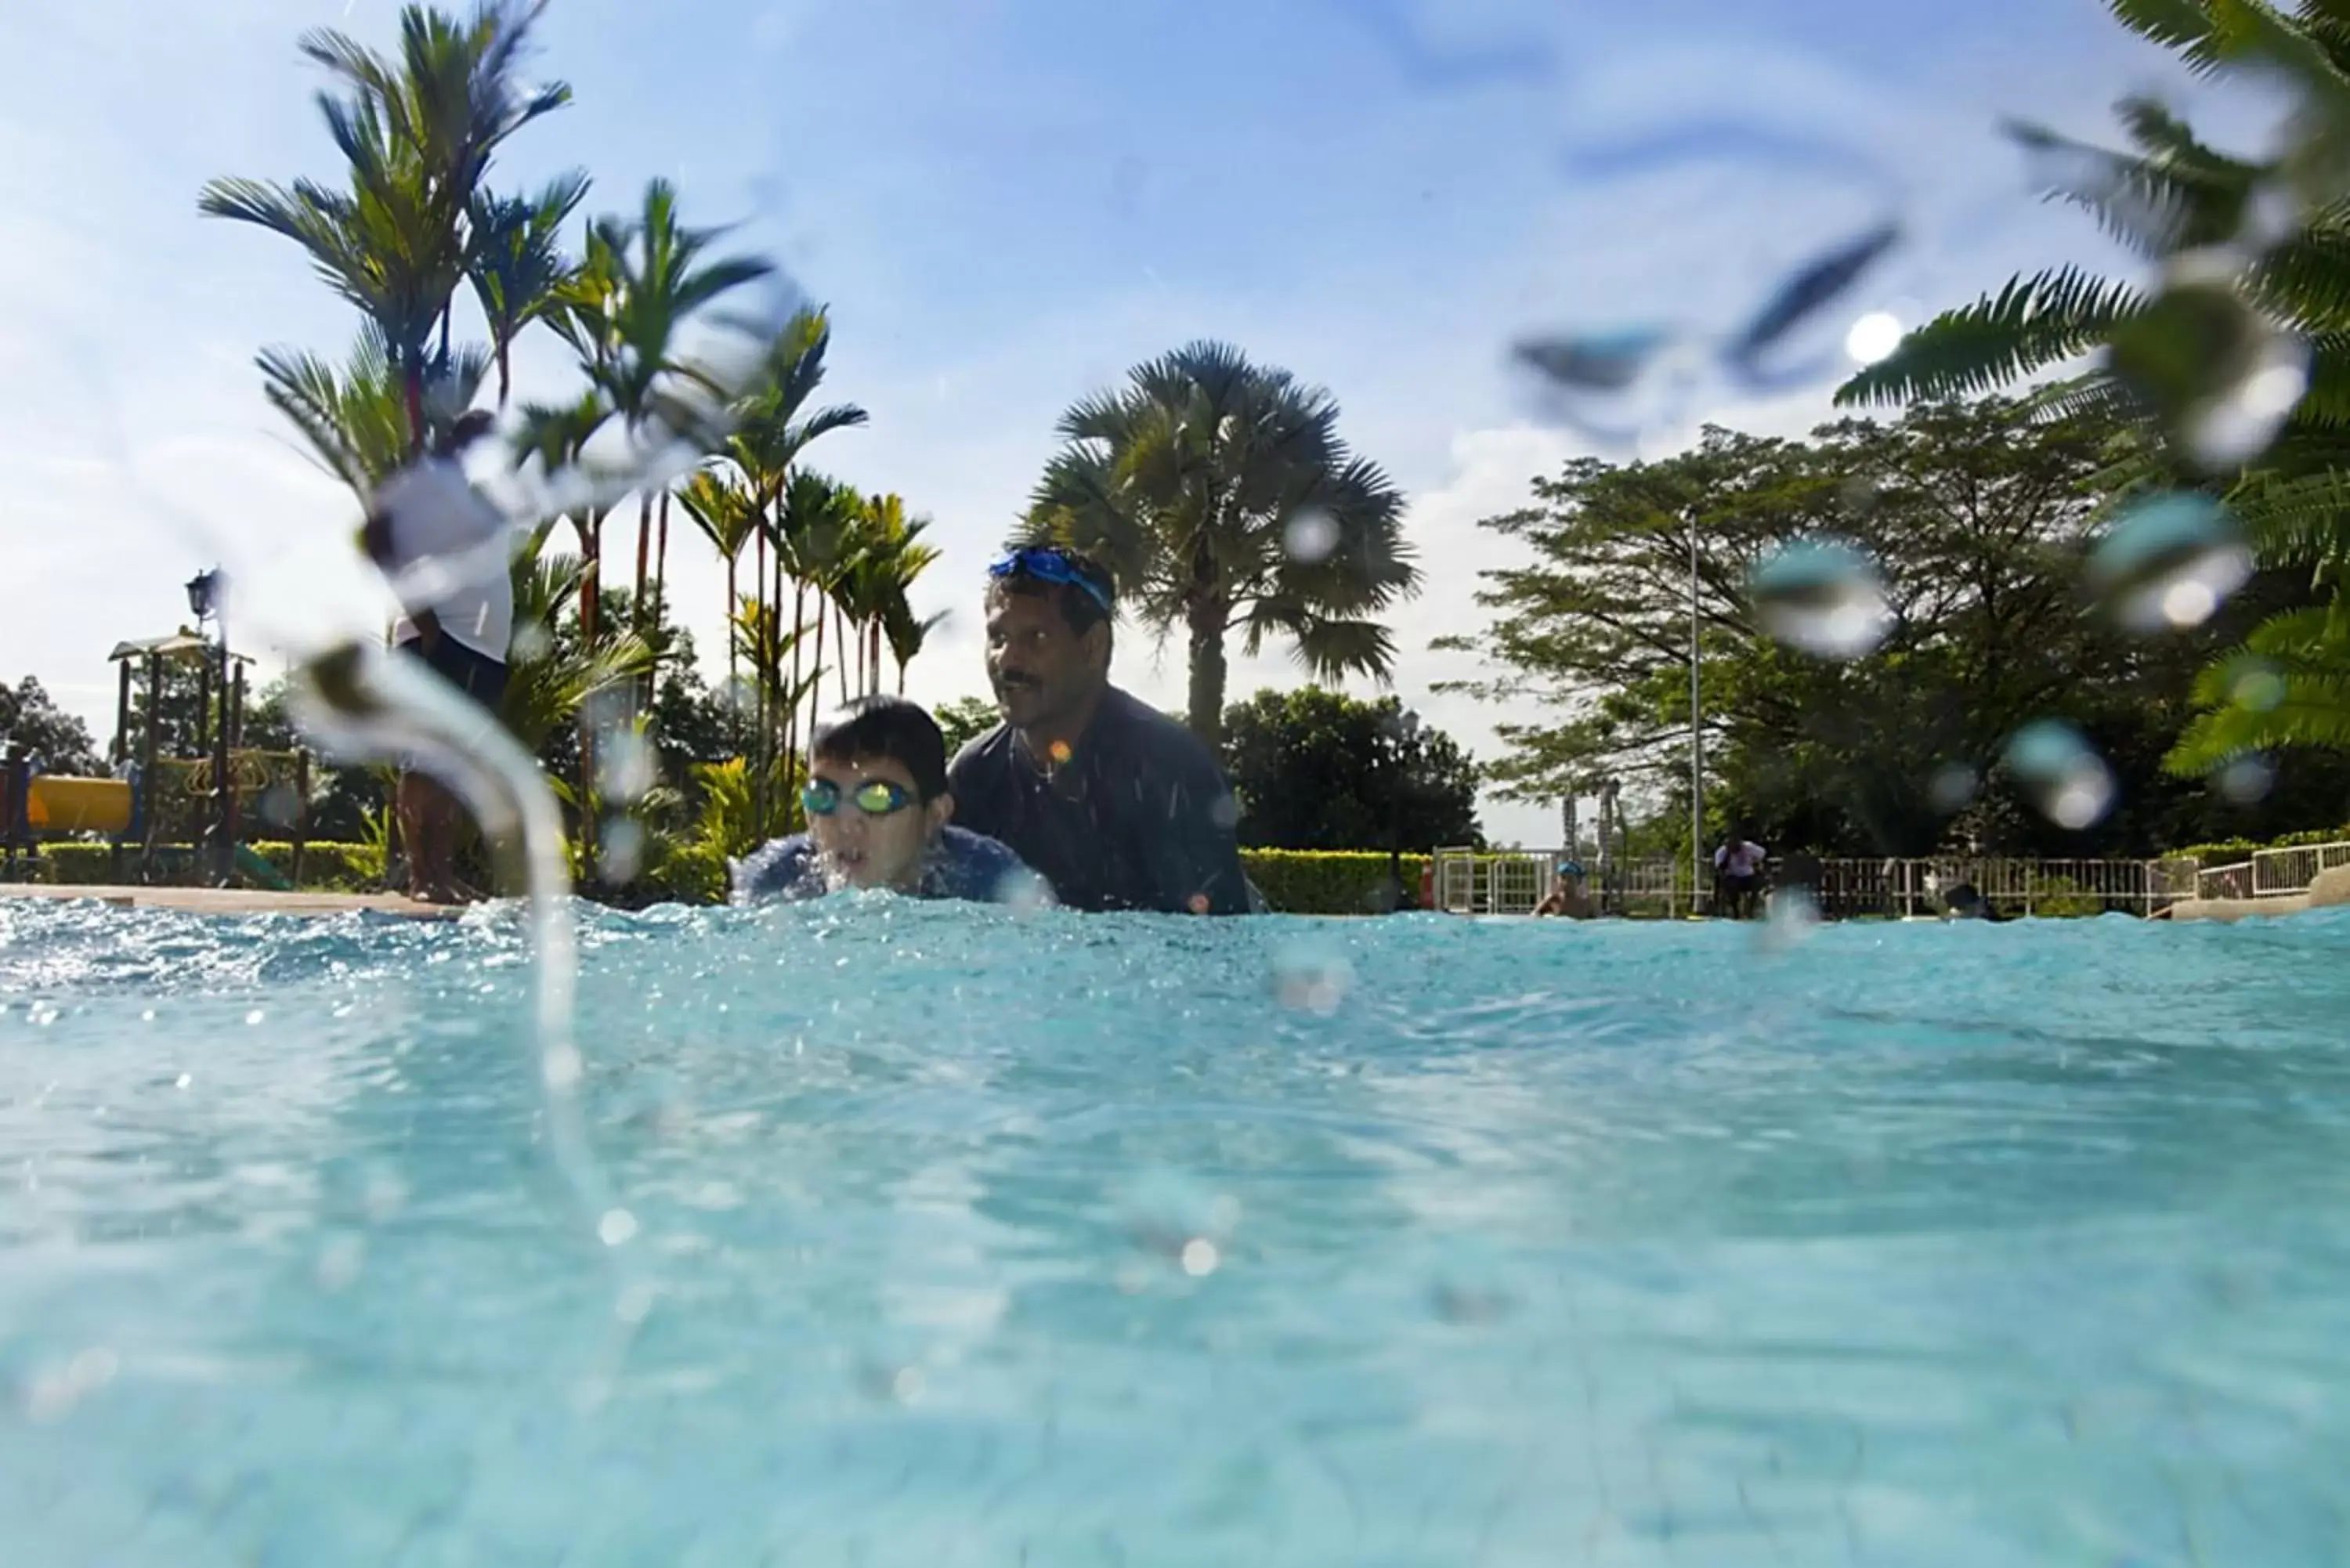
x=888 y=727
x=1078 y=608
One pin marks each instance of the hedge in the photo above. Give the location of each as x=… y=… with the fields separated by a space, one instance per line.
x=1328 y=881
x=2228 y=852
x=1293 y=881
x=325 y=867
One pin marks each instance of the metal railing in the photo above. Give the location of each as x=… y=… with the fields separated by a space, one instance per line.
x=2272 y=872
x=1511 y=882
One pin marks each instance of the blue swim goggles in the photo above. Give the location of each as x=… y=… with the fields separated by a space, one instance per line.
x=1051 y=563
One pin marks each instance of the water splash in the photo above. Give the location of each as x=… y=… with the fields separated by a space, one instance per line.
x=1311 y=976
x=1822 y=597
x=1952 y=788
x=2169 y=561
x=2066 y=779
x=2247 y=780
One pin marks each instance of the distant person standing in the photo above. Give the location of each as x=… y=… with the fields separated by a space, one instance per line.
x=1113 y=803
x=458 y=628
x=1738 y=878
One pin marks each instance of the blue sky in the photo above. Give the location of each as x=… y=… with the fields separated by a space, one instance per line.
x=1006 y=203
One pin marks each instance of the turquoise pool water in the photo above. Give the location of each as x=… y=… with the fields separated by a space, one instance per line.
x=976 y=1239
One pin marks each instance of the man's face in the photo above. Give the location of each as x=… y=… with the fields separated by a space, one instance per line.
x=1040 y=668
x=865 y=850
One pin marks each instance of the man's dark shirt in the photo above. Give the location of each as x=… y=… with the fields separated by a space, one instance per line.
x=1137 y=818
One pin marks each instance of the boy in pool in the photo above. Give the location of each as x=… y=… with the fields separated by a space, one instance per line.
x=878 y=808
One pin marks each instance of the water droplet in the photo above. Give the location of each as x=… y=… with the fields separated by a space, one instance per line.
x=635 y=1303
x=622 y=853
x=617 y=1228
x=1311 y=978
x=1023 y=891
x=1872 y=337
x=2068 y=783
x=626 y=765
x=1310 y=536
x=2219 y=374
x=532 y=642
x=1952 y=787
x=183 y=1080
x=1224 y=811
x=2257 y=686
x=2168 y=562
x=255 y=1016
x=279 y=806
x=1172 y=1215
x=2248 y=780
x=339 y=1262
x=1200 y=1257
x=1822 y=597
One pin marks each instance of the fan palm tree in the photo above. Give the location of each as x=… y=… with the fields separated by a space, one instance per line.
x=417 y=134
x=1219 y=494
x=517 y=267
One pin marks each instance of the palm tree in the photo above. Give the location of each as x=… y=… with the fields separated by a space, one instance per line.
x=817 y=529
x=517 y=267
x=354 y=420
x=623 y=310
x=875 y=591
x=1190 y=483
x=2171 y=195
x=417 y=134
x=557 y=436
x=723 y=510
x=549 y=680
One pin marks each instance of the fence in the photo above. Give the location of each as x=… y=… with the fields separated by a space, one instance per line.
x=2272 y=872
x=1511 y=882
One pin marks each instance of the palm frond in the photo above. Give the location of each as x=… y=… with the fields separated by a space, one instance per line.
x=2032 y=324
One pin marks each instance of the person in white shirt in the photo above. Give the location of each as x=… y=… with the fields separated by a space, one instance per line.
x=458 y=624
x=1738 y=878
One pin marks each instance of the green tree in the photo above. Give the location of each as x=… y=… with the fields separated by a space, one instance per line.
x=517 y=267
x=1974 y=516
x=965 y=720
x=1317 y=769
x=1221 y=499
x=58 y=742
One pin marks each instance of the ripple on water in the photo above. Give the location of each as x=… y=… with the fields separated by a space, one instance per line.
x=1936 y=1243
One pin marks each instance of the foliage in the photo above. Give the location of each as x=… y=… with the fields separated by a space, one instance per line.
x=1975 y=517
x=1326 y=882
x=327 y=866
x=1315 y=768
x=58 y=742
x=1198 y=485
x=966 y=719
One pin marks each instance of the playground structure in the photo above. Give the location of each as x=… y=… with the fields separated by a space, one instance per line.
x=177 y=813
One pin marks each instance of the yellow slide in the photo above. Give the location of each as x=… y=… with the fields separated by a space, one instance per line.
x=60 y=804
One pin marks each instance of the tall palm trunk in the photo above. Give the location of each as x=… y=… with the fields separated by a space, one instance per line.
x=799 y=616
x=733 y=664
x=1208 y=619
x=644 y=553
x=873 y=659
x=661 y=559
x=840 y=654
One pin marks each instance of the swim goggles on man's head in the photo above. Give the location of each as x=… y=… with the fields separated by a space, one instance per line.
x=874 y=797
x=1570 y=868
x=1050 y=563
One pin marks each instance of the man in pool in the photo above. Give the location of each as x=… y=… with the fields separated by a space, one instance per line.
x=1566 y=897
x=878 y=805
x=1116 y=804
x=1738 y=877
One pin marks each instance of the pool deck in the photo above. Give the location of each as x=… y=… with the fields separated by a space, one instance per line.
x=235 y=900
x=2331 y=889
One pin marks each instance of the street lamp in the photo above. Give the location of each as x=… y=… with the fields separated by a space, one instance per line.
x=203 y=595
x=1402 y=730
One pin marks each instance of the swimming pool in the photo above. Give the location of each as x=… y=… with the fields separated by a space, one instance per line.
x=983 y=1239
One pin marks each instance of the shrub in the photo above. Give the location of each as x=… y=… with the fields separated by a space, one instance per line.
x=325 y=867
x=1326 y=881
x=2228 y=852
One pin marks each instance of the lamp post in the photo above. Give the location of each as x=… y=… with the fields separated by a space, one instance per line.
x=1697 y=742
x=204 y=600
x=1402 y=730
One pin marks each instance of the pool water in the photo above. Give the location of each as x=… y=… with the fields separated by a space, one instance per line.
x=970 y=1237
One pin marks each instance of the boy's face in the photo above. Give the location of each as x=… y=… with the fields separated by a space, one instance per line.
x=864 y=849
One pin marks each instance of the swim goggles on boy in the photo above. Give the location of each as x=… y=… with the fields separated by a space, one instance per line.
x=874 y=797
x=1047 y=564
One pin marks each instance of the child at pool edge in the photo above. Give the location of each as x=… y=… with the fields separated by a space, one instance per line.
x=878 y=810
x=1566 y=897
